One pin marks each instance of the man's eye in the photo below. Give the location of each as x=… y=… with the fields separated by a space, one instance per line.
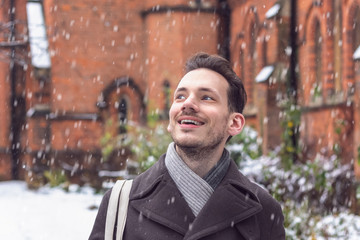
x=207 y=98
x=180 y=97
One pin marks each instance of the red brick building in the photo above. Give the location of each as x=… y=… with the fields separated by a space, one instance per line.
x=118 y=60
x=327 y=38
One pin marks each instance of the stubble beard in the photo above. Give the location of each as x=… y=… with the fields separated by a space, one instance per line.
x=198 y=150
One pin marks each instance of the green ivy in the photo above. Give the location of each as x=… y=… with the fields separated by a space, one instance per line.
x=290 y=122
x=339 y=126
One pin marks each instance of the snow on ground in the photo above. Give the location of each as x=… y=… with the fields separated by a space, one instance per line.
x=52 y=213
x=48 y=213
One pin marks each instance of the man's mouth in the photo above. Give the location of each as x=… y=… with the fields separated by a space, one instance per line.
x=190 y=122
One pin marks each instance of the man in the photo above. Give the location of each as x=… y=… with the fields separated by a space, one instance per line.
x=195 y=191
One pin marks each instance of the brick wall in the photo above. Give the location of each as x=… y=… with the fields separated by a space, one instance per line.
x=267 y=38
x=331 y=112
x=105 y=52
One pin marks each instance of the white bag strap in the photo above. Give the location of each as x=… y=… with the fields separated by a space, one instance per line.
x=123 y=208
x=116 y=191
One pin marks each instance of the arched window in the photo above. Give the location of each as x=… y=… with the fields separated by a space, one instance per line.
x=356 y=29
x=317 y=87
x=122 y=115
x=251 y=62
x=337 y=6
x=242 y=64
x=264 y=51
x=252 y=48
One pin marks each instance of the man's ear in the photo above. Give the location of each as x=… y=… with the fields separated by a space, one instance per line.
x=236 y=123
x=169 y=128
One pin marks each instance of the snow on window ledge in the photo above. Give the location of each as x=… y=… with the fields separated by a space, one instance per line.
x=264 y=74
x=356 y=55
x=273 y=11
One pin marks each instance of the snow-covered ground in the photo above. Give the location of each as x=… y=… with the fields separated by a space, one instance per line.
x=48 y=213
x=52 y=213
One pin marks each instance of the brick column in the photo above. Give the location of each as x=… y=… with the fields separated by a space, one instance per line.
x=328 y=55
x=348 y=50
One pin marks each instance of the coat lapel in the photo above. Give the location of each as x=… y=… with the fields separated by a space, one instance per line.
x=164 y=204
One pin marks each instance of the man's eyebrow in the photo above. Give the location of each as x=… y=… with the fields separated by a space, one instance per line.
x=180 y=89
x=203 y=89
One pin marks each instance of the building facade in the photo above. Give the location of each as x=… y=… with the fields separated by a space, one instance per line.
x=118 y=61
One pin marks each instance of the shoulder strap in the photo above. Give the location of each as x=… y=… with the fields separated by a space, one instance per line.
x=123 y=208
x=116 y=191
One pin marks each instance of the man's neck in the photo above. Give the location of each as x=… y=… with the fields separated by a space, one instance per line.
x=201 y=161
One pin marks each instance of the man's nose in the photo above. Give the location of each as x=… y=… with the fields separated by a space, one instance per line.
x=190 y=104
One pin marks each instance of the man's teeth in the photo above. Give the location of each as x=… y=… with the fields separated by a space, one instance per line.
x=190 y=122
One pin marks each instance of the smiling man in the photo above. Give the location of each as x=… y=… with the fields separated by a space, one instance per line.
x=200 y=119
x=195 y=191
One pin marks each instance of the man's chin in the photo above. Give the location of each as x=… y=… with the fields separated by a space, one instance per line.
x=186 y=143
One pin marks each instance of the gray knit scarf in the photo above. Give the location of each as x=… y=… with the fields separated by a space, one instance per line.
x=196 y=190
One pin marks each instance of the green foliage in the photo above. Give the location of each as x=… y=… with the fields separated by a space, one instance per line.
x=153 y=119
x=56 y=178
x=148 y=144
x=303 y=224
x=316 y=92
x=244 y=145
x=323 y=184
x=109 y=142
x=339 y=127
x=290 y=122
x=297 y=220
x=307 y=192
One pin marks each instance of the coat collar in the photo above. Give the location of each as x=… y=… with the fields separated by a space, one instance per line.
x=155 y=196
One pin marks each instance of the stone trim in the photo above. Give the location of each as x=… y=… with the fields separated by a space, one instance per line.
x=74 y=117
x=306 y=109
x=178 y=8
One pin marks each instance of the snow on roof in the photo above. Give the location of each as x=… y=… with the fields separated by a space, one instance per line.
x=273 y=11
x=38 y=109
x=356 y=55
x=264 y=74
x=40 y=56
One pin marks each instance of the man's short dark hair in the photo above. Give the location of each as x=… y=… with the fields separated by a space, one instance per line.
x=236 y=92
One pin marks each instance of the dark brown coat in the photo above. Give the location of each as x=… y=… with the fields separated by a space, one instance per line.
x=238 y=209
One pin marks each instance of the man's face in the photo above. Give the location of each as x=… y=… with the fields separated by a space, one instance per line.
x=199 y=115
